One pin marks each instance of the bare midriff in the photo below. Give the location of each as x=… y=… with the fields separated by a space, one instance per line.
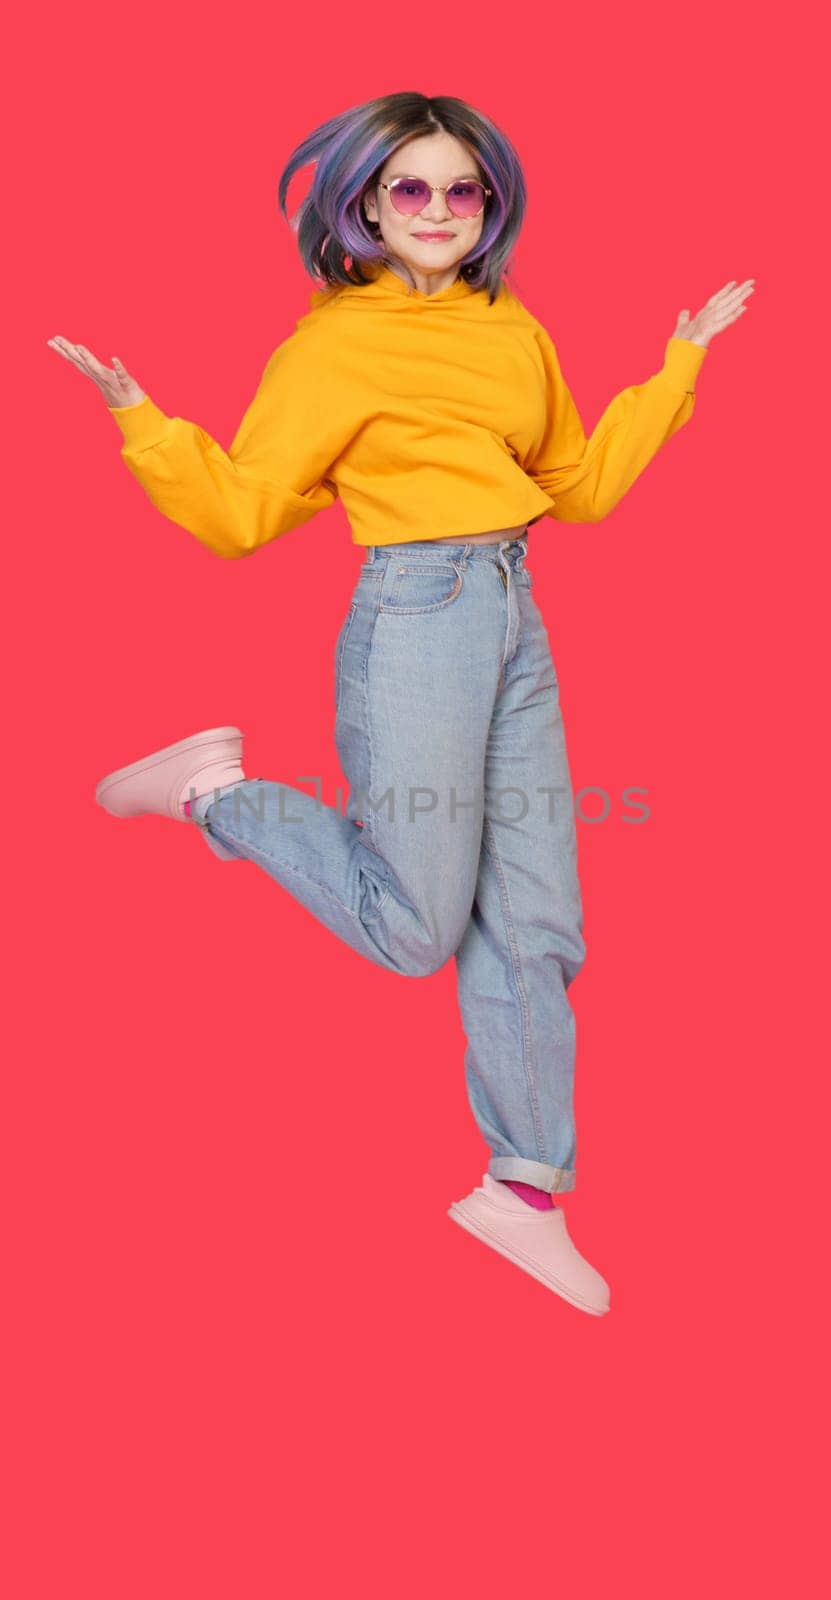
x=487 y=538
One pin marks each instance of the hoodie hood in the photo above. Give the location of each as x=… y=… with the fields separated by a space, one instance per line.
x=388 y=288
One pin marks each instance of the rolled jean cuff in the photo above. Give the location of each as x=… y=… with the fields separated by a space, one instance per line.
x=538 y=1173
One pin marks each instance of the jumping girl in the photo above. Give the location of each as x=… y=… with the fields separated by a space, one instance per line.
x=421 y=391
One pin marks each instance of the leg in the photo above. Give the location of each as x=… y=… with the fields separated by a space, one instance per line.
x=523 y=945
x=393 y=877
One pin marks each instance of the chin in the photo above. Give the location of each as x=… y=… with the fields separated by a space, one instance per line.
x=442 y=255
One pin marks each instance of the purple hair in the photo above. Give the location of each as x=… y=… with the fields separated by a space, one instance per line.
x=349 y=151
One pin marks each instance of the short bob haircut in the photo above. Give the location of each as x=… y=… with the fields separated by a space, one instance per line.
x=349 y=151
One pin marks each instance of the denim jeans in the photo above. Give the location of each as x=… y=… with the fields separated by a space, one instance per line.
x=458 y=837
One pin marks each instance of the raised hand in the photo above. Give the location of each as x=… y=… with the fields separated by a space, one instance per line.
x=721 y=309
x=115 y=383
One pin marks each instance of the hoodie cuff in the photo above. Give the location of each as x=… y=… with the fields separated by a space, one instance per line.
x=682 y=362
x=142 y=425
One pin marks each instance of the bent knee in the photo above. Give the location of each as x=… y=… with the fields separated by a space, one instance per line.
x=424 y=967
x=422 y=960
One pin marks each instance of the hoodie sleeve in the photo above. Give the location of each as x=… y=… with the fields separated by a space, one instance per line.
x=273 y=477
x=586 y=478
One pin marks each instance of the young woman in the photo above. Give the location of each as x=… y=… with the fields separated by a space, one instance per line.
x=420 y=390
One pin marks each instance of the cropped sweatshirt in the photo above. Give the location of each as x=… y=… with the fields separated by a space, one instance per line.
x=429 y=416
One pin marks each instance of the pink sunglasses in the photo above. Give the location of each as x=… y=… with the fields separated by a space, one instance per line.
x=409 y=196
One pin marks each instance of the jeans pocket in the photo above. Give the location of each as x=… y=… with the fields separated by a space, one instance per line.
x=340 y=646
x=420 y=588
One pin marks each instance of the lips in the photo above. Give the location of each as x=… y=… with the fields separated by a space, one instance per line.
x=432 y=236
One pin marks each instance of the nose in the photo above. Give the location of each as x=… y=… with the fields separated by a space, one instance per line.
x=437 y=211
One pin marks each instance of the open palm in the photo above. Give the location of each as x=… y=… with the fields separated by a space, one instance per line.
x=115 y=383
x=722 y=308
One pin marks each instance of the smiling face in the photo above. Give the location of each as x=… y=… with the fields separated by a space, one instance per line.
x=431 y=264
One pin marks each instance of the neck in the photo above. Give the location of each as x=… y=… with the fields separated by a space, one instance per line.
x=425 y=282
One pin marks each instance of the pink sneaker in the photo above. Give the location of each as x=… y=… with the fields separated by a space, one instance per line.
x=161 y=782
x=536 y=1241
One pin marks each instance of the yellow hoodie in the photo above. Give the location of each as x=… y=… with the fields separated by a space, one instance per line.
x=430 y=416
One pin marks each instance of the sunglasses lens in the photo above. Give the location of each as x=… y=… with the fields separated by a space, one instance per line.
x=410 y=196
x=465 y=199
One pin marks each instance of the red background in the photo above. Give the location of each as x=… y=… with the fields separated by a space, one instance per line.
x=233 y=1371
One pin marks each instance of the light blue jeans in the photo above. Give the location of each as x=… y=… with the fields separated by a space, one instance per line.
x=458 y=837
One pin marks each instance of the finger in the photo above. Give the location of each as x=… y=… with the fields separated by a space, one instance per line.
x=90 y=361
x=65 y=349
x=732 y=301
x=83 y=363
x=725 y=319
x=734 y=292
x=80 y=357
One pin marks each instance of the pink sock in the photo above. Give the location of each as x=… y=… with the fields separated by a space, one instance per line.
x=540 y=1198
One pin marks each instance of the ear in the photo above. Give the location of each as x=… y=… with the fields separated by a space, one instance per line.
x=370 y=205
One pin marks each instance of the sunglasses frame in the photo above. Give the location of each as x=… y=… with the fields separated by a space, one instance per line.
x=438 y=188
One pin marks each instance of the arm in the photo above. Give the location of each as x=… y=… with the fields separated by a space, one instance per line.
x=587 y=478
x=272 y=478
